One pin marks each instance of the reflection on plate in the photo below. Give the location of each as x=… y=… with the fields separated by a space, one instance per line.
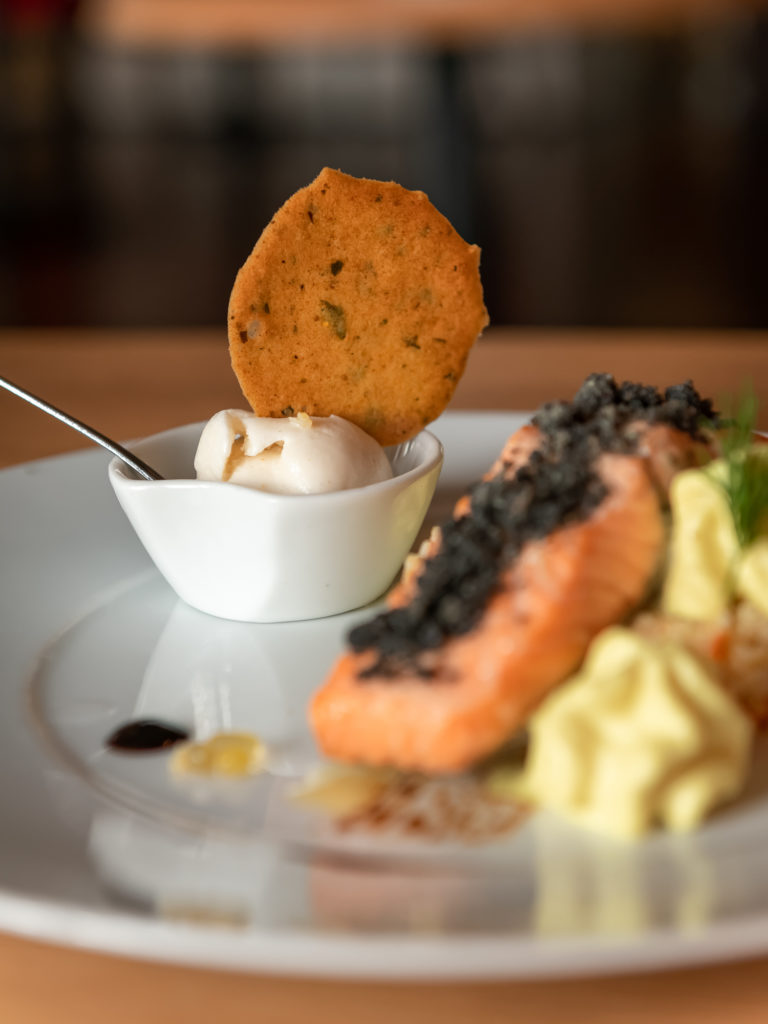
x=108 y=850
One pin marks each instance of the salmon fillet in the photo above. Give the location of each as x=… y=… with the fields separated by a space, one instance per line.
x=454 y=702
x=550 y=603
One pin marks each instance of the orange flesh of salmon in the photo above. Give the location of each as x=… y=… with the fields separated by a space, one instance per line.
x=667 y=451
x=534 y=631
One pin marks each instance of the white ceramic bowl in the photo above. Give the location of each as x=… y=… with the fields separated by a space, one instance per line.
x=244 y=554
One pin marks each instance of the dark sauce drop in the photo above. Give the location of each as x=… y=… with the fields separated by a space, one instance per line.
x=146 y=734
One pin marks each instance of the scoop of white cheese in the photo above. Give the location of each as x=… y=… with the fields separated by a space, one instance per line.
x=289 y=455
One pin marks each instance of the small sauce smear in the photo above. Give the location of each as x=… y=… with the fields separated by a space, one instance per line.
x=146 y=734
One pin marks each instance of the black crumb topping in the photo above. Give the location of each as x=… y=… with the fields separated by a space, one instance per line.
x=556 y=486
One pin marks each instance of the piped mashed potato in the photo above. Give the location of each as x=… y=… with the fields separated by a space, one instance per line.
x=708 y=569
x=289 y=455
x=652 y=730
x=642 y=735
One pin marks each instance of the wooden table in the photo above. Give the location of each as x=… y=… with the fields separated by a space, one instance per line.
x=132 y=383
x=249 y=24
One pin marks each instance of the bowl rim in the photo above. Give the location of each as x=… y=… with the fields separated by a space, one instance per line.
x=121 y=476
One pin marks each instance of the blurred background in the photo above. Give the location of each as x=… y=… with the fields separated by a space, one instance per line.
x=611 y=163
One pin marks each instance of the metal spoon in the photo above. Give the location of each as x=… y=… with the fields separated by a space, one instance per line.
x=144 y=471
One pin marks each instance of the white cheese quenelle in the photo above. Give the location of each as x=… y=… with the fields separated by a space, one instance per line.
x=289 y=455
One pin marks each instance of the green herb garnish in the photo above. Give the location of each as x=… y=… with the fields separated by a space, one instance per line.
x=334 y=318
x=746 y=480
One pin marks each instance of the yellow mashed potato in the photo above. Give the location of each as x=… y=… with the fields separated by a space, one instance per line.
x=707 y=567
x=641 y=735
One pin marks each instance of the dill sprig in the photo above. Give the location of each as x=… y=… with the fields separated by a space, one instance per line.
x=746 y=480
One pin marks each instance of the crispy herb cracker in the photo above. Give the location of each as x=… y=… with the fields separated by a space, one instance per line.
x=359 y=300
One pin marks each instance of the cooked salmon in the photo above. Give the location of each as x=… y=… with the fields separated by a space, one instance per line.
x=454 y=701
x=549 y=604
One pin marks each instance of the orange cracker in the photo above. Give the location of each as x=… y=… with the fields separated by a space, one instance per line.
x=360 y=300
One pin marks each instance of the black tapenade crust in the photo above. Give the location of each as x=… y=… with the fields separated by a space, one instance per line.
x=558 y=485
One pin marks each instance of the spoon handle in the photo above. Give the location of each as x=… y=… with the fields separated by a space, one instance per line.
x=144 y=471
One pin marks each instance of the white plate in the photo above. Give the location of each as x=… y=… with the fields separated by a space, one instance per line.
x=104 y=851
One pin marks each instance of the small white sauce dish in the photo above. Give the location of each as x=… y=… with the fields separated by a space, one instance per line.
x=248 y=555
